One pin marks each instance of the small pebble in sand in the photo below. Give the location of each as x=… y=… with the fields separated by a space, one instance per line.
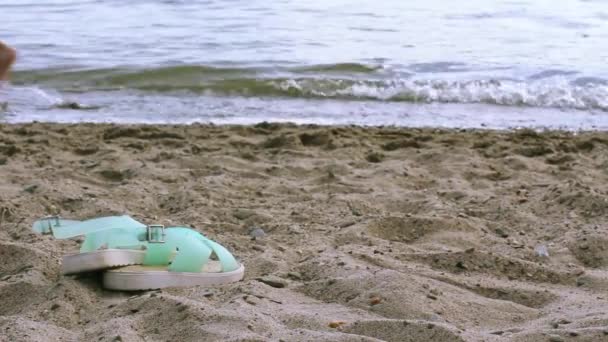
x=515 y=244
x=273 y=281
x=295 y=275
x=31 y=188
x=257 y=248
x=336 y=324
x=375 y=300
x=256 y=233
x=251 y=300
x=501 y=233
x=461 y=265
x=555 y=338
x=243 y=214
x=435 y=292
x=541 y=251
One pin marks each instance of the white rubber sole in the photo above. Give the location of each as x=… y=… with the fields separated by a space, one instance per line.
x=134 y=278
x=101 y=260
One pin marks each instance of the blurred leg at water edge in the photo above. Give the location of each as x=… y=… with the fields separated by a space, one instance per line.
x=7 y=58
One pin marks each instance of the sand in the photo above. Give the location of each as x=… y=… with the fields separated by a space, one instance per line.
x=369 y=233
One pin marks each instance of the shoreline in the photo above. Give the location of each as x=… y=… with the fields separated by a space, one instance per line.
x=278 y=125
x=389 y=233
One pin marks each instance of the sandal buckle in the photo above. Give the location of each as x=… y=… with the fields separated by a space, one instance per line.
x=51 y=224
x=156 y=233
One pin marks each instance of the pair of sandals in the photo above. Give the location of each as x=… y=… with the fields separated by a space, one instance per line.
x=135 y=256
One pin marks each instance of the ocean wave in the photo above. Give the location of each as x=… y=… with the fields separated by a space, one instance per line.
x=337 y=81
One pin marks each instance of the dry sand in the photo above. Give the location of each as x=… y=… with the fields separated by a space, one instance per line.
x=371 y=233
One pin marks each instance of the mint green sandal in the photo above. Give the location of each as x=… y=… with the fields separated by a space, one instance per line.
x=175 y=256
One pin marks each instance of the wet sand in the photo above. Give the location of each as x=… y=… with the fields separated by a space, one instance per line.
x=370 y=233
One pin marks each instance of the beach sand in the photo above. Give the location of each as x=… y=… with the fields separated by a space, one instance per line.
x=370 y=233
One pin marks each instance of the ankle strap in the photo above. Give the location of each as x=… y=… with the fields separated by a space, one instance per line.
x=64 y=229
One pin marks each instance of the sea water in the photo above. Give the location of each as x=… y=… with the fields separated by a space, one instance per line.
x=475 y=63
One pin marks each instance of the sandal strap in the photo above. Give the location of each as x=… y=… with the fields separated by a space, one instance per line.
x=118 y=238
x=193 y=252
x=226 y=259
x=64 y=229
x=46 y=224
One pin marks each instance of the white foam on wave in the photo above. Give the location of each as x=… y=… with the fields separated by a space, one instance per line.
x=18 y=96
x=554 y=92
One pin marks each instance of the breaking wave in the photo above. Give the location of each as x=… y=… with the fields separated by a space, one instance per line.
x=347 y=81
